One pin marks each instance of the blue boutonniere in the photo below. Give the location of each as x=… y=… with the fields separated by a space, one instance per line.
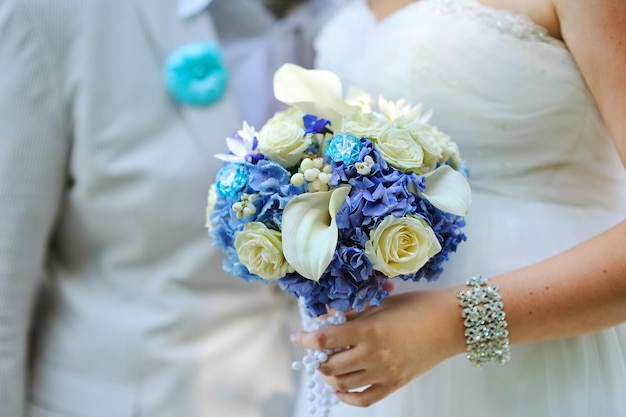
x=195 y=75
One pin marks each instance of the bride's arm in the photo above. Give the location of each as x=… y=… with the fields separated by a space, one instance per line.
x=595 y=33
x=578 y=291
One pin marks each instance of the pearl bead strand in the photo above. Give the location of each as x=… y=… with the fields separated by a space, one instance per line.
x=321 y=396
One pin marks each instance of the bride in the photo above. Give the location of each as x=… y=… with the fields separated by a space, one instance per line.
x=534 y=93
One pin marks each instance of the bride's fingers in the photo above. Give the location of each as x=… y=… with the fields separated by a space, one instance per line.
x=370 y=309
x=343 y=362
x=366 y=397
x=352 y=381
x=328 y=338
x=353 y=314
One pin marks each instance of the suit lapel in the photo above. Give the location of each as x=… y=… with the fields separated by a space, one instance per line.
x=168 y=31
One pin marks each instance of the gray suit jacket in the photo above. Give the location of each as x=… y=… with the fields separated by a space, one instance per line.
x=103 y=184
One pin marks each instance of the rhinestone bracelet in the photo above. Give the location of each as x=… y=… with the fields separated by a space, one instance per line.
x=486 y=331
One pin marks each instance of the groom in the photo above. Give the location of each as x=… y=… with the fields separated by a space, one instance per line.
x=113 y=302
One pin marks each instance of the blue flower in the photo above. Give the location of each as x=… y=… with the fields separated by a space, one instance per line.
x=313 y=124
x=267 y=176
x=194 y=74
x=351 y=262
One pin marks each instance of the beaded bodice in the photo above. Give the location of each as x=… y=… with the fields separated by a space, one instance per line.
x=510 y=95
x=505 y=21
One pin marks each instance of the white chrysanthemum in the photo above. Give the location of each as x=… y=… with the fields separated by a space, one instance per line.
x=361 y=99
x=400 y=109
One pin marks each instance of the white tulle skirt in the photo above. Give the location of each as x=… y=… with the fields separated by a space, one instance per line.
x=575 y=377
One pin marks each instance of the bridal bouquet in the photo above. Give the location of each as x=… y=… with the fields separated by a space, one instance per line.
x=332 y=196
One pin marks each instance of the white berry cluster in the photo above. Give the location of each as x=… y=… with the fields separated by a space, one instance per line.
x=315 y=172
x=245 y=207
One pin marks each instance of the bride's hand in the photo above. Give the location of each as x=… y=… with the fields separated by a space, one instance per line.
x=389 y=345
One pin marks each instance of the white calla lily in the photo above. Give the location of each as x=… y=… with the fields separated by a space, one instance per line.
x=315 y=92
x=310 y=232
x=448 y=190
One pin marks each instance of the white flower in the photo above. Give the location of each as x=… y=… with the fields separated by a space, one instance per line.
x=290 y=115
x=240 y=145
x=430 y=141
x=210 y=206
x=310 y=230
x=401 y=246
x=370 y=125
x=447 y=189
x=400 y=149
x=401 y=136
x=283 y=139
x=450 y=149
x=360 y=98
x=365 y=167
x=260 y=250
x=400 y=109
x=315 y=92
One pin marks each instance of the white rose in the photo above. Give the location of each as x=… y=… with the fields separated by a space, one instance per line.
x=283 y=138
x=450 y=149
x=291 y=115
x=260 y=250
x=400 y=150
x=430 y=141
x=401 y=246
x=210 y=206
x=368 y=125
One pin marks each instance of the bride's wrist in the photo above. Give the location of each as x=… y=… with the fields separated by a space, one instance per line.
x=451 y=324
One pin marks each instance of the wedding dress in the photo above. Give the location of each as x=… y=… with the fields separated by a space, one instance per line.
x=544 y=173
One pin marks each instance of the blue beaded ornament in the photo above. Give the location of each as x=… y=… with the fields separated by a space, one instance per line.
x=344 y=147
